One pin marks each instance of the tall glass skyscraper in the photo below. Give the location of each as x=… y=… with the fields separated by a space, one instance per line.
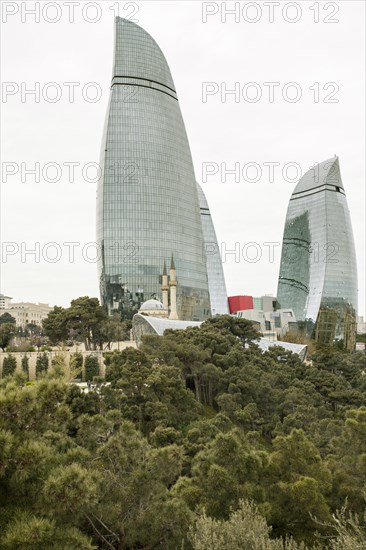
x=318 y=273
x=216 y=279
x=147 y=200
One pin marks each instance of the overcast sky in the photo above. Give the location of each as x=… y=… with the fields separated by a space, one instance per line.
x=312 y=52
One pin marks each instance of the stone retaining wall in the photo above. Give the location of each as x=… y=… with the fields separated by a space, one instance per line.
x=66 y=355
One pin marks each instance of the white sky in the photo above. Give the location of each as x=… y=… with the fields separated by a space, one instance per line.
x=224 y=53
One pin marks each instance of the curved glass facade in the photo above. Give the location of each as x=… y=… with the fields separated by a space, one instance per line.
x=318 y=273
x=215 y=272
x=147 y=201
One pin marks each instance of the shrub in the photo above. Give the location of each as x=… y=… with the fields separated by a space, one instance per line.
x=42 y=363
x=9 y=365
x=25 y=364
x=46 y=348
x=76 y=363
x=91 y=367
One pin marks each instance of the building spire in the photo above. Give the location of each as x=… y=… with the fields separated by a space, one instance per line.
x=173 y=291
x=165 y=288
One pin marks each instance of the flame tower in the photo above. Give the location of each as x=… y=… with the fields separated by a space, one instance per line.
x=318 y=273
x=147 y=200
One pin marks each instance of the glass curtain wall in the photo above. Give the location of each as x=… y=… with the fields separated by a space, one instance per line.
x=147 y=201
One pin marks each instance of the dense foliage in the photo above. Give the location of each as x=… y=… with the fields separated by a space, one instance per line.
x=6 y=318
x=9 y=365
x=196 y=440
x=7 y=331
x=86 y=321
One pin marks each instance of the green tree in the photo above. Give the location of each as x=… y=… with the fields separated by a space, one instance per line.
x=300 y=484
x=7 y=331
x=112 y=329
x=136 y=509
x=9 y=365
x=226 y=470
x=245 y=529
x=29 y=532
x=242 y=329
x=348 y=462
x=70 y=489
x=6 y=318
x=25 y=365
x=91 y=366
x=42 y=363
x=55 y=325
x=85 y=316
x=33 y=329
x=148 y=394
x=76 y=363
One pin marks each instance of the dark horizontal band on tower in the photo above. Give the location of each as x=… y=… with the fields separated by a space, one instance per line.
x=336 y=190
x=316 y=187
x=297 y=239
x=147 y=79
x=299 y=245
x=142 y=86
x=293 y=282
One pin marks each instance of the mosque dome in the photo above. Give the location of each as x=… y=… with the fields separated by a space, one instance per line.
x=151 y=304
x=153 y=307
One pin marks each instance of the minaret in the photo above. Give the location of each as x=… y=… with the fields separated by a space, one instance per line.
x=173 y=291
x=165 y=288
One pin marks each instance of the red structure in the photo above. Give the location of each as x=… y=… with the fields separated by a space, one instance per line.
x=238 y=303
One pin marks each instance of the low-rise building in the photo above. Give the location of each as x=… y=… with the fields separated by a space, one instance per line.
x=268 y=302
x=265 y=311
x=239 y=303
x=27 y=312
x=272 y=323
x=4 y=301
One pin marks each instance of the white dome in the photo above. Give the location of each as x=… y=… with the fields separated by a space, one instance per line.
x=151 y=305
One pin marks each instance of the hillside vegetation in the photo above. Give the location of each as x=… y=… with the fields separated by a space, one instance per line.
x=197 y=440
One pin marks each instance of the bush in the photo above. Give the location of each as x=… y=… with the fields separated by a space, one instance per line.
x=25 y=364
x=46 y=348
x=245 y=528
x=76 y=363
x=20 y=346
x=91 y=367
x=42 y=363
x=9 y=365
